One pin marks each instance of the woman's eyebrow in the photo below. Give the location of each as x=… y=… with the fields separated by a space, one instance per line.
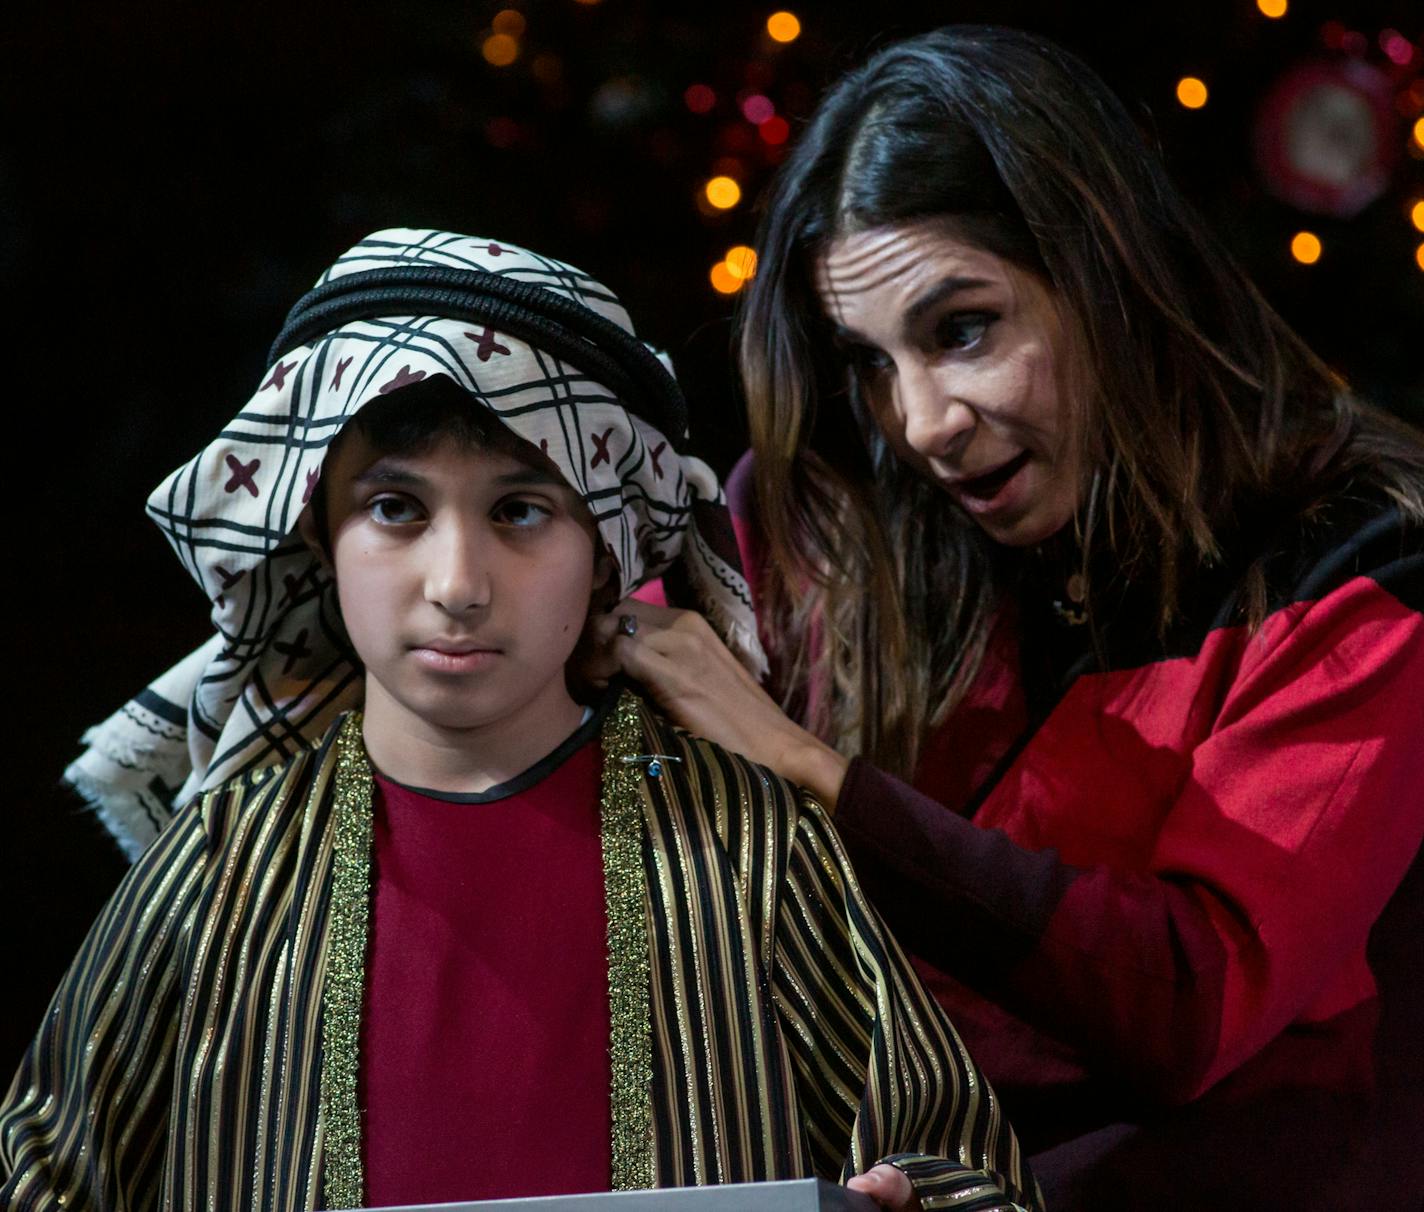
x=944 y=289
x=934 y=296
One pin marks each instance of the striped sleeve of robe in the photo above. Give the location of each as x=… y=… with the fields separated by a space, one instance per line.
x=883 y=1075
x=791 y=1036
x=85 y=1124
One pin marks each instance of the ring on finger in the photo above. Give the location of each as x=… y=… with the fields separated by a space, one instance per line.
x=628 y=625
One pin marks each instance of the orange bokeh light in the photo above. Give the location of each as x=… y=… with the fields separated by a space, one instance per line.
x=1191 y=92
x=1416 y=215
x=741 y=260
x=508 y=21
x=1305 y=247
x=783 y=26
x=724 y=280
x=1419 y=133
x=1272 y=8
x=500 y=50
x=1419 y=256
x=722 y=192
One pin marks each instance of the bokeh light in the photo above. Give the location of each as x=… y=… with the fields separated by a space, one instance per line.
x=1272 y=8
x=699 y=98
x=502 y=131
x=1397 y=48
x=774 y=131
x=1191 y=92
x=741 y=260
x=547 y=67
x=500 y=50
x=1411 y=98
x=783 y=26
x=1419 y=133
x=724 y=281
x=1416 y=215
x=1305 y=247
x=508 y=21
x=756 y=109
x=722 y=192
x=1419 y=256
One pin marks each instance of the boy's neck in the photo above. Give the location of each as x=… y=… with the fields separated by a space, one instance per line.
x=411 y=750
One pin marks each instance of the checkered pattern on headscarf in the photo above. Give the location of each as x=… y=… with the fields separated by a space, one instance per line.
x=279 y=669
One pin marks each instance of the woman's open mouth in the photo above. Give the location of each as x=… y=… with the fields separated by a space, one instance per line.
x=981 y=492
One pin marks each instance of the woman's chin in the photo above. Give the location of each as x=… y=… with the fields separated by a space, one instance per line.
x=1024 y=518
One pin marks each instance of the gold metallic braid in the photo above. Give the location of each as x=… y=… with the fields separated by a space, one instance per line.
x=630 y=1040
x=345 y=981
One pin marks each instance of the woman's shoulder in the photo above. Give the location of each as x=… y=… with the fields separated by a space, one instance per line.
x=1357 y=536
x=1353 y=553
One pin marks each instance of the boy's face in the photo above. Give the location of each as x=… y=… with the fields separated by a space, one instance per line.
x=464 y=577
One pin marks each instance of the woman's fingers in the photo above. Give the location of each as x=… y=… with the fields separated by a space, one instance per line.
x=687 y=670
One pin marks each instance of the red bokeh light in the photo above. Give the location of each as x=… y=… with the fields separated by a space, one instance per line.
x=774 y=130
x=502 y=132
x=1397 y=47
x=699 y=98
x=1354 y=42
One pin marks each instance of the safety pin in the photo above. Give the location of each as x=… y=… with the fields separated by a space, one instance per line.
x=654 y=762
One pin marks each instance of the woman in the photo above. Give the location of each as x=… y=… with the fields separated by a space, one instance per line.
x=1093 y=601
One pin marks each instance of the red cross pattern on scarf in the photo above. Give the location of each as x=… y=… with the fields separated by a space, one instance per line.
x=242 y=474
x=600 y=442
x=487 y=344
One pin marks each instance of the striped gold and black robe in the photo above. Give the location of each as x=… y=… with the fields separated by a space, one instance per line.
x=202 y=1050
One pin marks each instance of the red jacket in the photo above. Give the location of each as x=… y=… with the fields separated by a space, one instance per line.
x=1127 y=879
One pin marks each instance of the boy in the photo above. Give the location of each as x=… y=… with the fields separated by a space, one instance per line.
x=427 y=928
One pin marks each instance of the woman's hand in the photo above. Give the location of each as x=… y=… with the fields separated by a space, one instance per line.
x=691 y=675
x=888 y=1187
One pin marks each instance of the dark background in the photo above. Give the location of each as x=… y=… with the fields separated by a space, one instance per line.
x=173 y=175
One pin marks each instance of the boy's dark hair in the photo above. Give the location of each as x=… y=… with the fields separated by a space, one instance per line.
x=415 y=418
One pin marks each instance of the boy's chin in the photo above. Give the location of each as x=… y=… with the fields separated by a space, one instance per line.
x=473 y=707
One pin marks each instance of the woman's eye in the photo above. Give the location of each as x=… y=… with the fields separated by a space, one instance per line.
x=522 y=513
x=394 y=511
x=866 y=359
x=963 y=330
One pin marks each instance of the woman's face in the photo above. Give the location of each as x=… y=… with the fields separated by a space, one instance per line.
x=960 y=357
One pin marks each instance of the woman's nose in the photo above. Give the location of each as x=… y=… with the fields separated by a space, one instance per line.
x=457 y=572
x=935 y=421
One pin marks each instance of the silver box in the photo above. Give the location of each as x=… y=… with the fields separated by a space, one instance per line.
x=797 y=1195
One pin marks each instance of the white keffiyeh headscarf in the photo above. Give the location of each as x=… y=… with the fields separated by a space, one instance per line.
x=549 y=350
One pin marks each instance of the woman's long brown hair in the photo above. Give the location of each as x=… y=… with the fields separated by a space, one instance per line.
x=1200 y=405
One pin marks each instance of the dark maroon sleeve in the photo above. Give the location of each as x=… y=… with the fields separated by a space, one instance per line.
x=741 y=503
x=926 y=865
x=1298 y=817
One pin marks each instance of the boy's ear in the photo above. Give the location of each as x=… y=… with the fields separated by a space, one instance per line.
x=605 y=576
x=310 y=531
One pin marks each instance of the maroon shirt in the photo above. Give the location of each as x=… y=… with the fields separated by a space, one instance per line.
x=484 y=1057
